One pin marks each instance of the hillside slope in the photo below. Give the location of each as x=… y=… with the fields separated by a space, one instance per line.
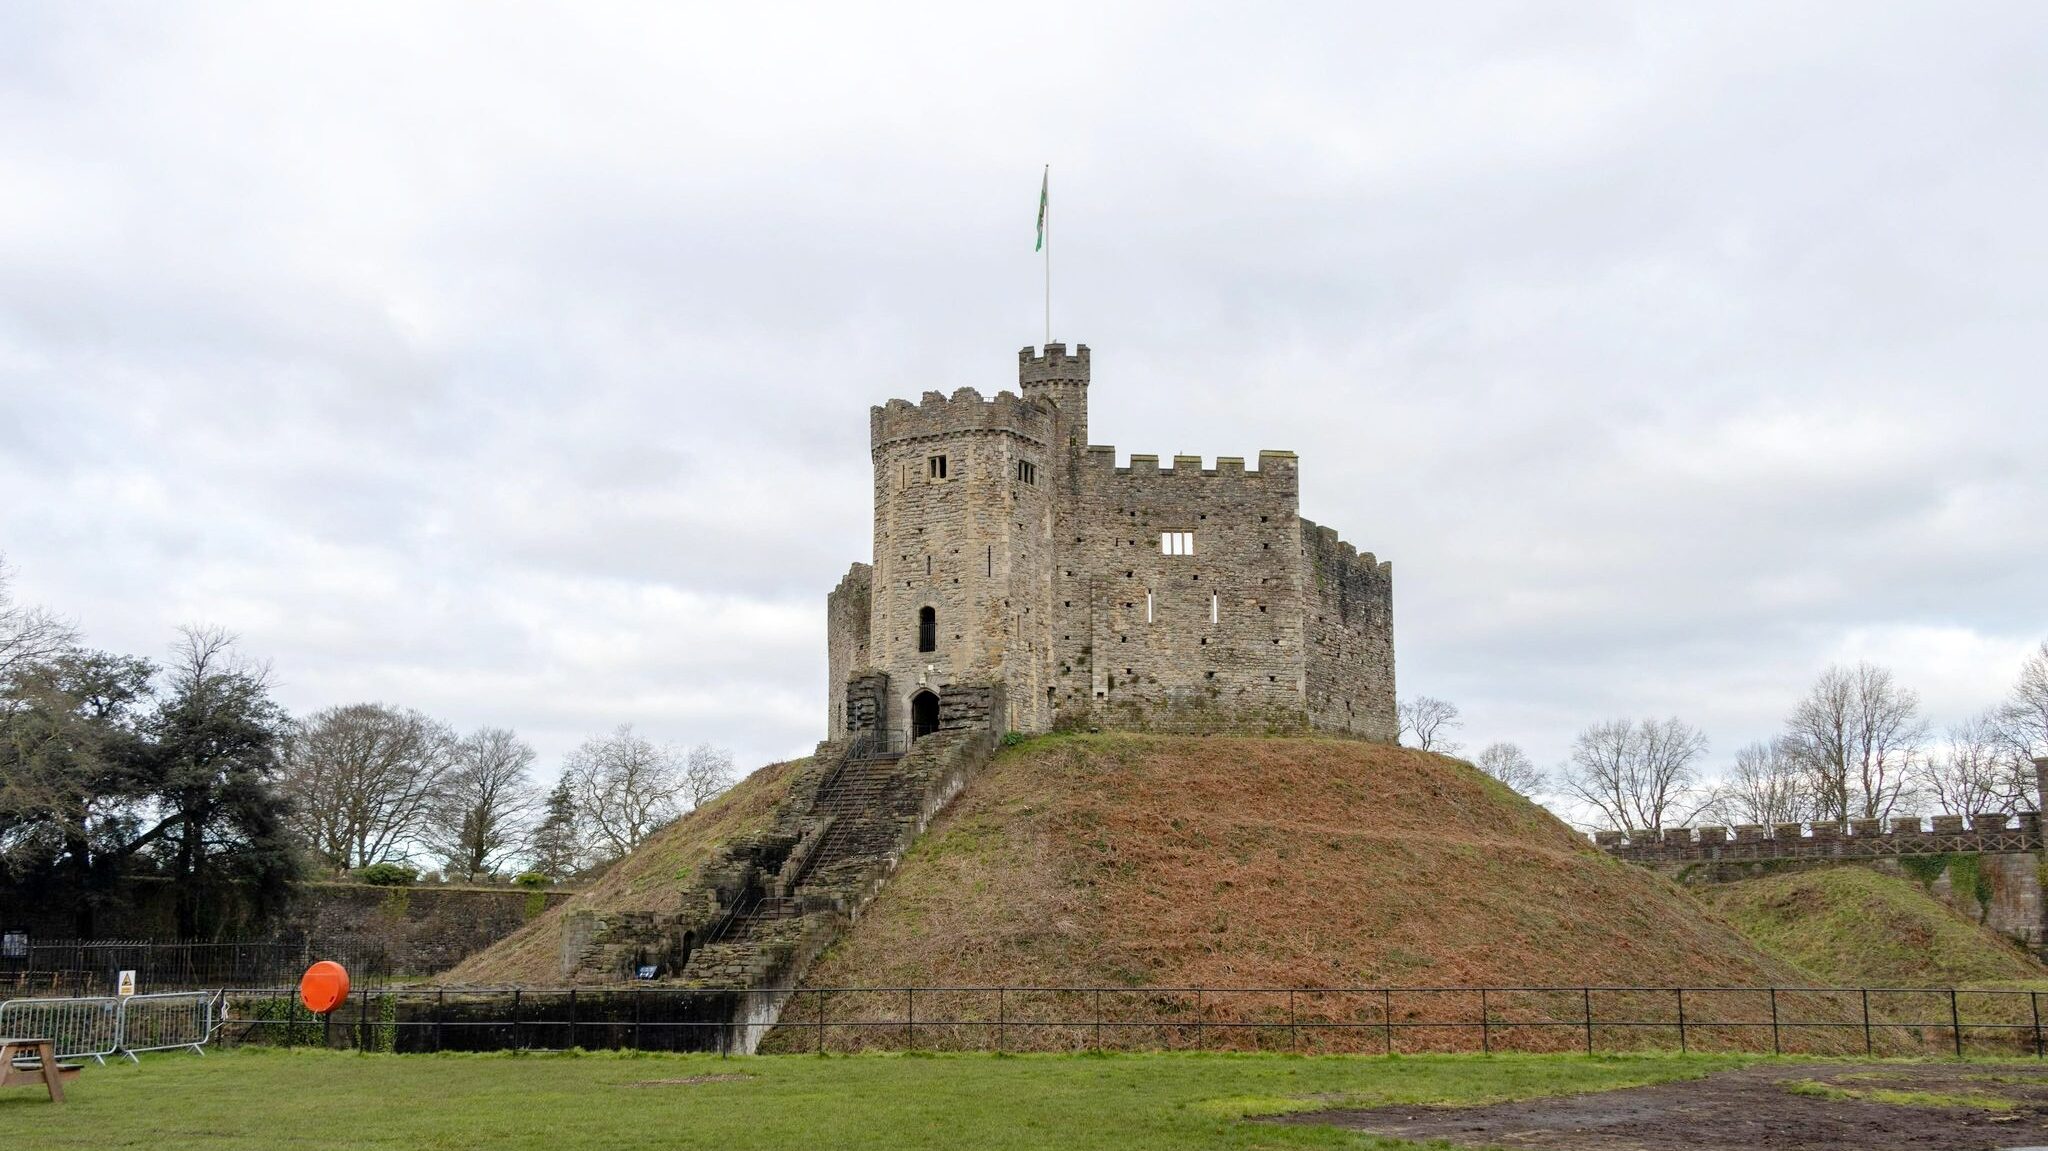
x=1130 y=859
x=647 y=880
x=1854 y=926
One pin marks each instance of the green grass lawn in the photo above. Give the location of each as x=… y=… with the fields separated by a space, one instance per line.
x=267 y=1098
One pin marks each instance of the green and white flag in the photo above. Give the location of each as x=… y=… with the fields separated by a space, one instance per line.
x=1044 y=188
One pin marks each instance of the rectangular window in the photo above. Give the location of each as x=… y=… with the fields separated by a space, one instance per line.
x=1027 y=472
x=936 y=467
x=1176 y=543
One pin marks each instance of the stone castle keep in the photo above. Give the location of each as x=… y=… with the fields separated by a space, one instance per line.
x=1013 y=555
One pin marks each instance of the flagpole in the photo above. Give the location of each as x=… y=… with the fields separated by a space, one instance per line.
x=1048 y=254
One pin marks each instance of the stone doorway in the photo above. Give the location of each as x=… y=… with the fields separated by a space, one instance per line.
x=924 y=714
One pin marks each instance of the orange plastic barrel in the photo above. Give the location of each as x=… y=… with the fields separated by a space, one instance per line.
x=324 y=987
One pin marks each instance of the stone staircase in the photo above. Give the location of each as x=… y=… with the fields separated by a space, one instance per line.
x=767 y=904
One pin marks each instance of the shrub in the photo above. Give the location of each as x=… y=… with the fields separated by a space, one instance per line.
x=387 y=875
x=532 y=881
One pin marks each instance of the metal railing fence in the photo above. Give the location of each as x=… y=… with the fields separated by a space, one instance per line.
x=88 y=967
x=1371 y=1020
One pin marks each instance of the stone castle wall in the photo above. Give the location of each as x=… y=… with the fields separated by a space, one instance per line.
x=1211 y=639
x=1349 y=625
x=847 y=610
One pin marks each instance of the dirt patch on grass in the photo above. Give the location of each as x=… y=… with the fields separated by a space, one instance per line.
x=1829 y=1107
x=688 y=1081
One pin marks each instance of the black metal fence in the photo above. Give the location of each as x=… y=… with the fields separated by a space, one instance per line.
x=92 y=966
x=1381 y=1020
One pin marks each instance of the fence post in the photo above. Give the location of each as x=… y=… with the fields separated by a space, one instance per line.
x=1775 y=1050
x=1098 y=1019
x=440 y=1018
x=2034 y=1000
x=910 y=1026
x=1485 y=1027
x=1681 y=1019
x=1955 y=1021
x=1294 y=1027
x=572 y=1017
x=516 y=1029
x=1002 y=1021
x=1866 y=1021
x=635 y=993
x=821 y=1021
x=1587 y=992
x=1198 y=1019
x=362 y=1019
x=1387 y=1017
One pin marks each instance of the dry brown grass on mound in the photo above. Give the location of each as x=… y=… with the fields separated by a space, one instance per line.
x=650 y=879
x=1124 y=859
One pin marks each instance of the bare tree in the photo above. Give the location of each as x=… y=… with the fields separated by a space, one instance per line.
x=1976 y=769
x=1767 y=785
x=1512 y=766
x=363 y=779
x=2024 y=718
x=29 y=636
x=624 y=787
x=1637 y=775
x=486 y=804
x=1429 y=721
x=1857 y=733
x=707 y=774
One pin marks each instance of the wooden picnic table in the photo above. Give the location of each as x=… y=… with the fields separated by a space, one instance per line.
x=46 y=1070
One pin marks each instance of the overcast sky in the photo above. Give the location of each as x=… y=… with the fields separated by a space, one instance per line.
x=513 y=363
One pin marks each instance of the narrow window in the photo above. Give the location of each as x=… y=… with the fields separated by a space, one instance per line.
x=927 y=565
x=1176 y=543
x=927 y=629
x=1148 y=607
x=1212 y=607
x=991 y=559
x=1027 y=472
x=936 y=466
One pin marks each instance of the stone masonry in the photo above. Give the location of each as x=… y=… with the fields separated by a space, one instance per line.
x=1008 y=550
x=2007 y=853
x=759 y=911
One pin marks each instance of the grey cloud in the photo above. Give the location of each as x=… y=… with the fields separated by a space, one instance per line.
x=518 y=368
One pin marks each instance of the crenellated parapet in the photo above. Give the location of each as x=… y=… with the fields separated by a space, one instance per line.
x=1827 y=839
x=1100 y=461
x=1338 y=559
x=1055 y=365
x=938 y=415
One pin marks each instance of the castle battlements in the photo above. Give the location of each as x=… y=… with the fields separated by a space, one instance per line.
x=965 y=411
x=1100 y=459
x=1053 y=366
x=1348 y=557
x=1827 y=839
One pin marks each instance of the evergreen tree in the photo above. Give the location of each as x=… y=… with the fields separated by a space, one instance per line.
x=558 y=841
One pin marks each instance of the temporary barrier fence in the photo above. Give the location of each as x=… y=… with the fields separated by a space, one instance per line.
x=100 y=1026
x=168 y=1021
x=82 y=1028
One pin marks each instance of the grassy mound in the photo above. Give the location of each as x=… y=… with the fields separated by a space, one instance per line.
x=1854 y=926
x=650 y=879
x=1130 y=860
